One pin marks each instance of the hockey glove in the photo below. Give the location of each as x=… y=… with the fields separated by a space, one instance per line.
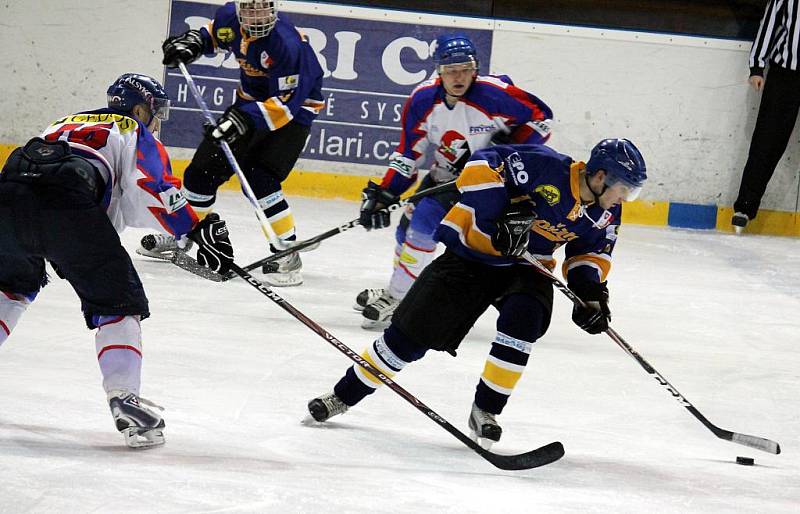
x=185 y=48
x=593 y=317
x=373 y=199
x=232 y=126
x=514 y=230
x=214 y=249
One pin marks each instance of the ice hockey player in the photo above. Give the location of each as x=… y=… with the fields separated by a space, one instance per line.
x=279 y=96
x=456 y=114
x=63 y=198
x=514 y=199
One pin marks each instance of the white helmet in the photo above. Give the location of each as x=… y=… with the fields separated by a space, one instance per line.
x=257 y=17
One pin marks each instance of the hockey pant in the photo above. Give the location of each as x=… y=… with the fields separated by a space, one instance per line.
x=266 y=158
x=524 y=305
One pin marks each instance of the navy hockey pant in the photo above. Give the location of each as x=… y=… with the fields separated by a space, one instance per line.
x=73 y=233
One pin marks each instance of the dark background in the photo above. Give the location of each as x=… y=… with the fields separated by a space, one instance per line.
x=737 y=19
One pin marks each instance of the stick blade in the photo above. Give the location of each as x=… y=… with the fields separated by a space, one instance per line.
x=533 y=459
x=758 y=443
x=181 y=260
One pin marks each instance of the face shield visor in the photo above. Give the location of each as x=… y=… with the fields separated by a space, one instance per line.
x=160 y=108
x=621 y=188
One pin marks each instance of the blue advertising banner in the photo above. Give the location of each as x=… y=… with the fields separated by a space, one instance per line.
x=370 y=68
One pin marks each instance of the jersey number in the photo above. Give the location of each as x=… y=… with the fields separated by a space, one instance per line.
x=94 y=136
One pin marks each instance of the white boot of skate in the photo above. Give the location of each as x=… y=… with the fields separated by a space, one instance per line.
x=378 y=314
x=160 y=246
x=288 y=273
x=324 y=407
x=141 y=427
x=483 y=427
x=368 y=297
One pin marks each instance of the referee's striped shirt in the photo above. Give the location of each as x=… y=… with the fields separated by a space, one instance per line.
x=778 y=37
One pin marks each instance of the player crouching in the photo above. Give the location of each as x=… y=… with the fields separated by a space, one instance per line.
x=514 y=199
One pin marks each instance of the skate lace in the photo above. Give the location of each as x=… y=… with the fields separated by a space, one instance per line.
x=334 y=404
x=481 y=417
x=164 y=242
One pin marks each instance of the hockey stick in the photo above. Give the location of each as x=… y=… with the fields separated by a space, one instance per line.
x=758 y=443
x=186 y=262
x=226 y=149
x=532 y=459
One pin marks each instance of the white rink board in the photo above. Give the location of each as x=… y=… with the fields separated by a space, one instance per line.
x=683 y=99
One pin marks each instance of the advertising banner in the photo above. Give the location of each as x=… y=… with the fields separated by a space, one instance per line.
x=370 y=68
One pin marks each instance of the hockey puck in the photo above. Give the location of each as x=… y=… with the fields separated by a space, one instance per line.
x=745 y=461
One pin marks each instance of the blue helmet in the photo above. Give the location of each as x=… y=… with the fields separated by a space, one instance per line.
x=454 y=49
x=132 y=89
x=621 y=161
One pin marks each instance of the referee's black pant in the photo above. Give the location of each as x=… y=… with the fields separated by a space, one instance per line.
x=776 y=119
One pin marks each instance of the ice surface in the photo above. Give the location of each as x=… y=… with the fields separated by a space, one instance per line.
x=717 y=315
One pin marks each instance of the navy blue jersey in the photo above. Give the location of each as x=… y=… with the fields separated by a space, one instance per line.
x=281 y=79
x=498 y=176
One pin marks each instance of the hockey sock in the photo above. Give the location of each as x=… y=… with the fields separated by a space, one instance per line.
x=279 y=215
x=12 y=306
x=389 y=354
x=518 y=326
x=118 y=342
x=416 y=254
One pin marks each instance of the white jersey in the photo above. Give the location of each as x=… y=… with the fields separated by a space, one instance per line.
x=490 y=106
x=140 y=190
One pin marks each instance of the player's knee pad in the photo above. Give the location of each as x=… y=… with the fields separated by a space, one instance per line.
x=523 y=317
x=401 y=345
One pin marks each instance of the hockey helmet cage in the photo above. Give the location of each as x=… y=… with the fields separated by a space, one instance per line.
x=256 y=17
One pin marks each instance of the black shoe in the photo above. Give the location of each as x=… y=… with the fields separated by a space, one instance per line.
x=739 y=221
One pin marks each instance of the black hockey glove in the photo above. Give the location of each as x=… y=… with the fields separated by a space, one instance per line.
x=214 y=248
x=595 y=315
x=232 y=126
x=373 y=199
x=514 y=230
x=185 y=48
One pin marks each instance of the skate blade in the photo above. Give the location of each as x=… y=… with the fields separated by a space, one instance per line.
x=293 y=278
x=368 y=324
x=148 y=439
x=357 y=307
x=483 y=442
x=738 y=230
x=165 y=256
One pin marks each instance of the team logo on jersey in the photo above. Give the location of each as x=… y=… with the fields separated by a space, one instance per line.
x=550 y=193
x=288 y=82
x=558 y=233
x=453 y=146
x=225 y=35
x=265 y=60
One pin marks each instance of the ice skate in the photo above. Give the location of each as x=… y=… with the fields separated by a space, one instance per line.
x=739 y=221
x=368 y=297
x=324 y=407
x=288 y=273
x=378 y=314
x=159 y=246
x=141 y=427
x=483 y=427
